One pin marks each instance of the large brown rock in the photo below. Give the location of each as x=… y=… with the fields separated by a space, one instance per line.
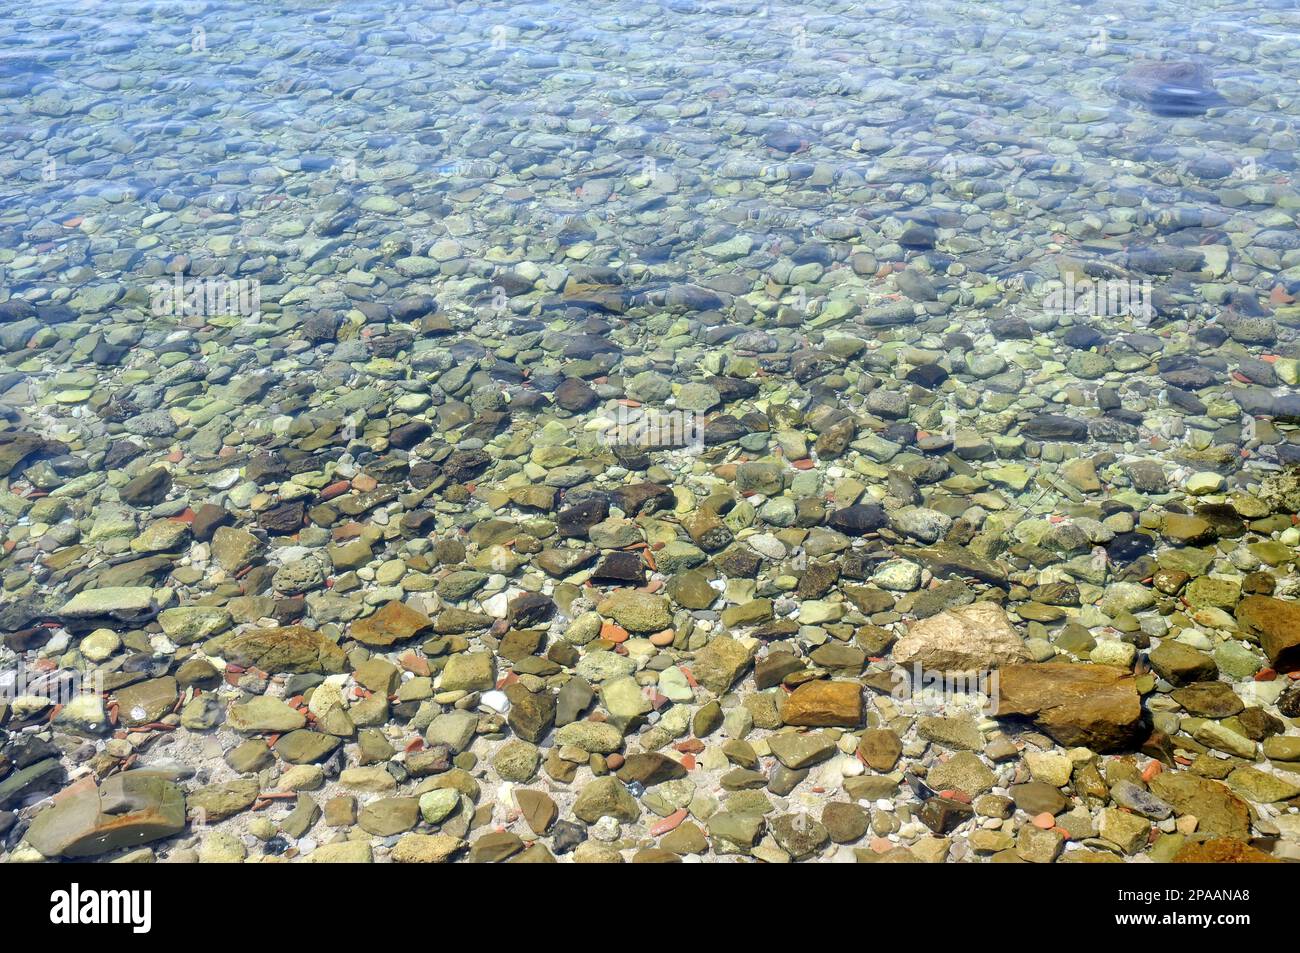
x=1216 y=808
x=146 y=701
x=1180 y=664
x=1222 y=850
x=824 y=704
x=287 y=648
x=1277 y=623
x=127 y=810
x=973 y=638
x=394 y=622
x=1094 y=706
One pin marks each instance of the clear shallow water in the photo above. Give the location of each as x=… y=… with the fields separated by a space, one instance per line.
x=461 y=234
x=531 y=121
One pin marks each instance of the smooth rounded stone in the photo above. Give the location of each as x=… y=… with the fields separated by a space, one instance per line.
x=897 y=575
x=373 y=779
x=437 y=805
x=252 y=755
x=1126 y=597
x=424 y=848
x=1187 y=529
x=984 y=365
x=344 y=852
x=649 y=769
x=859 y=519
x=307 y=777
x=85 y=714
x=146 y=702
x=517 y=761
x=649 y=387
x=100 y=645
x=926 y=525
x=692 y=590
x=581 y=631
x=824 y=703
x=1114 y=652
x=147 y=489
x=203 y=713
x=575 y=396
x=1203 y=483
x=1038 y=797
x=264 y=714
x=161 y=536
x=460 y=585
x=1279 y=748
x=1056 y=427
